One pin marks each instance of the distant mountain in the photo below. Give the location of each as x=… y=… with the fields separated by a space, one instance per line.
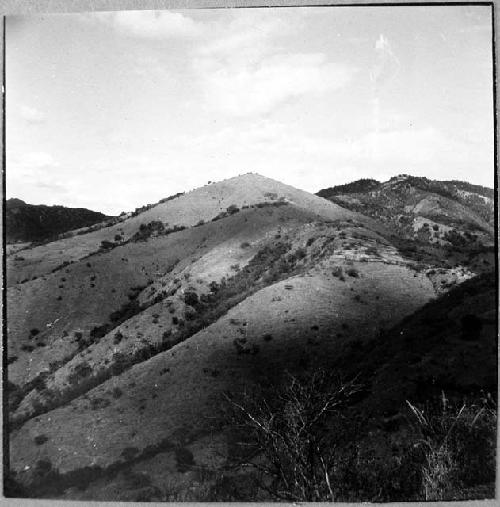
x=416 y=208
x=37 y=222
x=362 y=185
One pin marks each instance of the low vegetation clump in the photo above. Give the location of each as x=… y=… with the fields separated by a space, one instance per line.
x=154 y=228
x=338 y=272
x=171 y=197
x=40 y=439
x=353 y=272
x=107 y=245
x=458 y=442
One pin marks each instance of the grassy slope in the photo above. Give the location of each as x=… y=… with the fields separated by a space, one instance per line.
x=200 y=204
x=177 y=391
x=35 y=305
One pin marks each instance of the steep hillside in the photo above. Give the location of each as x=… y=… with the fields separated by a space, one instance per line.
x=34 y=223
x=437 y=348
x=120 y=350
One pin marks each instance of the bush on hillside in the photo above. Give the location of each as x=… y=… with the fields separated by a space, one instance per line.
x=353 y=272
x=290 y=430
x=338 y=272
x=40 y=439
x=459 y=446
x=191 y=298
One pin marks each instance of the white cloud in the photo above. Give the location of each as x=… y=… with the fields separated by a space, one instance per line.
x=34 y=160
x=386 y=64
x=152 y=24
x=247 y=37
x=32 y=115
x=244 y=69
x=245 y=89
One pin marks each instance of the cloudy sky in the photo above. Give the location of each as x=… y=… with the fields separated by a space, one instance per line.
x=111 y=111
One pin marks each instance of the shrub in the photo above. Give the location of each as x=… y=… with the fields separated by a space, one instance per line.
x=116 y=392
x=34 y=331
x=80 y=371
x=190 y=313
x=232 y=209
x=28 y=348
x=271 y=195
x=191 y=298
x=338 y=272
x=459 y=446
x=130 y=453
x=245 y=244
x=119 y=364
x=300 y=253
x=267 y=337
x=107 y=245
x=96 y=403
x=40 y=439
x=353 y=272
x=288 y=426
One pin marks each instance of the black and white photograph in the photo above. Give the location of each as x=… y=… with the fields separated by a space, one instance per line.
x=250 y=253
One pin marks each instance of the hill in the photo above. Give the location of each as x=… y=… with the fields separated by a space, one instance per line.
x=185 y=210
x=439 y=211
x=34 y=223
x=123 y=340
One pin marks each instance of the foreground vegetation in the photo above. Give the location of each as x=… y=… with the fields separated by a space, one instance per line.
x=305 y=441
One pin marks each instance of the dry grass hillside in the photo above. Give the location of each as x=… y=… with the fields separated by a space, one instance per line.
x=119 y=360
x=186 y=210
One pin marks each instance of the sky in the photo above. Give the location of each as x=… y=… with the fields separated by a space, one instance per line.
x=114 y=110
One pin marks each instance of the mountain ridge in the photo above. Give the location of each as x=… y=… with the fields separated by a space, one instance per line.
x=39 y=222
